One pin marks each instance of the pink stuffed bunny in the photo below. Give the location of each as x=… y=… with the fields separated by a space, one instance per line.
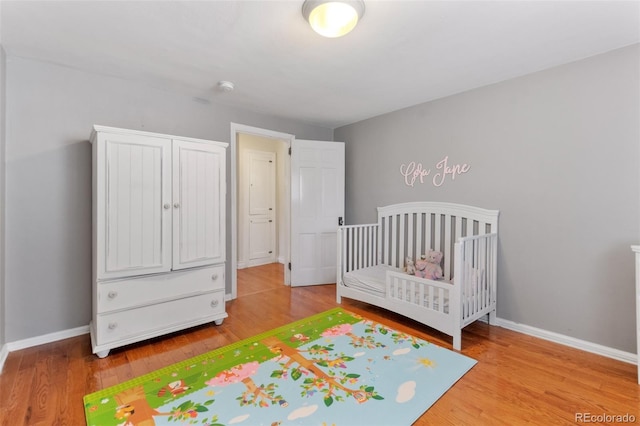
x=428 y=266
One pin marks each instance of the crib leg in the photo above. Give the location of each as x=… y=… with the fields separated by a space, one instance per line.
x=338 y=297
x=457 y=340
x=492 y=317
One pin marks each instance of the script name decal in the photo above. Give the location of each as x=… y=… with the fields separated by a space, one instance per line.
x=415 y=172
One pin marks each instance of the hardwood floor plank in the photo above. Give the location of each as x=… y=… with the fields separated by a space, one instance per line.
x=518 y=379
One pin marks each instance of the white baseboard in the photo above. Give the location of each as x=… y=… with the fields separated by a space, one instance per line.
x=594 y=348
x=4 y=352
x=47 y=338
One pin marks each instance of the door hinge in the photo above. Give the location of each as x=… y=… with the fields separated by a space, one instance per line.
x=289 y=265
x=289 y=150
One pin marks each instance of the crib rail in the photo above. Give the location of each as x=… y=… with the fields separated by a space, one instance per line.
x=357 y=247
x=428 y=294
x=476 y=275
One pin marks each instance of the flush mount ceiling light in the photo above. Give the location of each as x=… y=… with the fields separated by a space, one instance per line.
x=333 y=18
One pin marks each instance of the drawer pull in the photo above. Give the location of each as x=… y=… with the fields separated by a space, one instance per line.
x=214 y=277
x=112 y=294
x=214 y=303
x=113 y=325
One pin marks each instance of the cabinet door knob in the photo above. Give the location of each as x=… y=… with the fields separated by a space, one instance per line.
x=214 y=303
x=214 y=277
x=176 y=205
x=112 y=294
x=113 y=325
x=167 y=206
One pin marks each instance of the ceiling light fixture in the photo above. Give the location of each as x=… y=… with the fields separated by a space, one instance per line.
x=333 y=18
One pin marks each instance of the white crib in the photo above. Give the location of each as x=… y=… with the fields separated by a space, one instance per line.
x=371 y=258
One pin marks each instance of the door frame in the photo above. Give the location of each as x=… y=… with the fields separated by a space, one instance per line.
x=237 y=129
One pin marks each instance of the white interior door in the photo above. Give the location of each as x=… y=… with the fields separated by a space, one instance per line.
x=317 y=207
x=262 y=207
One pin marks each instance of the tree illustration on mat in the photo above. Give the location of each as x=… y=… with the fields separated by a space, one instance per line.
x=398 y=337
x=356 y=341
x=254 y=395
x=134 y=408
x=332 y=383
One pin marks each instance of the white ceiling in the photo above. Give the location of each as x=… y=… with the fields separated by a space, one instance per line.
x=402 y=53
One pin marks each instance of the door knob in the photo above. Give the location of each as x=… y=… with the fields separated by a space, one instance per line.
x=167 y=206
x=176 y=205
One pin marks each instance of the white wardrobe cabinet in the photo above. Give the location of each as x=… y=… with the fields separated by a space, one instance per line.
x=158 y=235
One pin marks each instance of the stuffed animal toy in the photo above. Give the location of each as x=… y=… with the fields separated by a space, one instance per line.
x=409 y=266
x=428 y=266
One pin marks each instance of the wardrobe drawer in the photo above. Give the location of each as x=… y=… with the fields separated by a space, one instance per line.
x=156 y=319
x=123 y=294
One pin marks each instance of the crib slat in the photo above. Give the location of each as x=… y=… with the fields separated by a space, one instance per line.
x=401 y=240
x=361 y=240
x=367 y=248
x=481 y=279
x=354 y=252
x=430 y=297
x=394 y=245
x=437 y=234
x=379 y=242
x=446 y=250
x=467 y=279
x=374 y=240
x=419 y=241
x=384 y=243
x=410 y=237
x=458 y=235
x=346 y=256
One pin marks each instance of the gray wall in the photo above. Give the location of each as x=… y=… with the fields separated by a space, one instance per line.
x=50 y=111
x=558 y=153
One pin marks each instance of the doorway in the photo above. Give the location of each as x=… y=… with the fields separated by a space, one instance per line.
x=261 y=188
x=246 y=139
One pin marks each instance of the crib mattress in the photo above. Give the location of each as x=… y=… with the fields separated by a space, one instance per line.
x=371 y=279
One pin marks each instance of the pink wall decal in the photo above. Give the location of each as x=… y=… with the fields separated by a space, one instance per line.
x=414 y=171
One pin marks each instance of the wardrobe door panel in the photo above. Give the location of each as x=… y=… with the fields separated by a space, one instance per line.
x=133 y=187
x=198 y=204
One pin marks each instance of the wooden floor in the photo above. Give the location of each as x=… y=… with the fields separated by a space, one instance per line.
x=518 y=379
